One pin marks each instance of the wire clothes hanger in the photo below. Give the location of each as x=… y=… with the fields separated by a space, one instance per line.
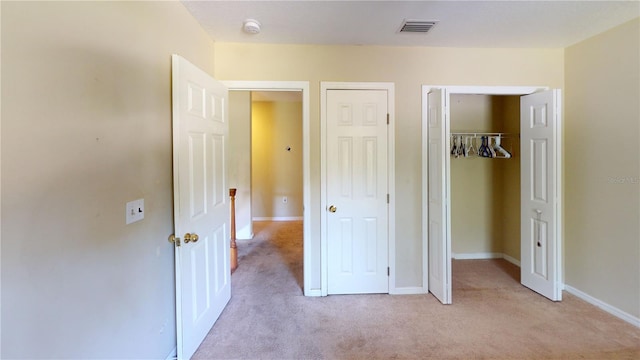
x=459 y=146
x=463 y=145
x=484 y=150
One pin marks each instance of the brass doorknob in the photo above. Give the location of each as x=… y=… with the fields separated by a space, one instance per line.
x=174 y=240
x=332 y=209
x=190 y=238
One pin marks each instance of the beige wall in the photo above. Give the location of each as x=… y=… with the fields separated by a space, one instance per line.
x=602 y=167
x=86 y=127
x=485 y=211
x=276 y=172
x=408 y=68
x=240 y=159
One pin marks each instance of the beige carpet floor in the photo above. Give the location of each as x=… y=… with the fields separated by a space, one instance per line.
x=492 y=316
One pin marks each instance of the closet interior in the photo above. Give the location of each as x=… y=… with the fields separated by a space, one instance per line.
x=485 y=176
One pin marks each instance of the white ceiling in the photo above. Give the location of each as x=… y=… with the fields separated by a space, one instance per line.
x=522 y=24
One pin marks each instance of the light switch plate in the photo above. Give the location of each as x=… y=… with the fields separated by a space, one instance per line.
x=134 y=211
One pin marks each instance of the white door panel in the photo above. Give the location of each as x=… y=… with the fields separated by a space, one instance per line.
x=357 y=188
x=439 y=244
x=540 y=247
x=201 y=206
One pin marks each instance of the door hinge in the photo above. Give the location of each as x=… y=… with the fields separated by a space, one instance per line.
x=388 y=271
x=387 y=119
x=388 y=199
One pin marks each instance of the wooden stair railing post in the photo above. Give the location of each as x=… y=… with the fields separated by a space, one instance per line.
x=234 y=247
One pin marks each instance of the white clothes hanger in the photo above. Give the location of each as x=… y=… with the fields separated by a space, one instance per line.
x=471 y=151
x=498 y=150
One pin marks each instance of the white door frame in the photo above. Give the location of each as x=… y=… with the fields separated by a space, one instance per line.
x=481 y=90
x=302 y=86
x=389 y=87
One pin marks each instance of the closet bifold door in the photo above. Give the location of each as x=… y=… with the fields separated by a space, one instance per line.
x=438 y=156
x=540 y=197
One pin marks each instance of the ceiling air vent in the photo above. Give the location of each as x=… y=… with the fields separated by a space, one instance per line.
x=417 y=26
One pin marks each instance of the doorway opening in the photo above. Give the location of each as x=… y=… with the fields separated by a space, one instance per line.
x=269 y=134
x=540 y=181
x=267 y=168
x=485 y=190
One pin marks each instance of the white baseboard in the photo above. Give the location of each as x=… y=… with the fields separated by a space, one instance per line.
x=482 y=256
x=408 y=290
x=604 y=306
x=173 y=354
x=279 y=218
x=238 y=237
x=397 y=291
x=512 y=260
x=244 y=234
x=476 y=256
x=313 y=292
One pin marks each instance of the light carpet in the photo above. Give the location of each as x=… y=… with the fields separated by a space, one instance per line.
x=492 y=316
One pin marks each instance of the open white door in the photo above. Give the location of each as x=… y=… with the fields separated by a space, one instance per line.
x=201 y=205
x=439 y=242
x=540 y=198
x=357 y=191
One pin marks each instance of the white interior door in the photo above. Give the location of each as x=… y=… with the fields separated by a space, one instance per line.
x=357 y=192
x=540 y=198
x=201 y=205
x=439 y=242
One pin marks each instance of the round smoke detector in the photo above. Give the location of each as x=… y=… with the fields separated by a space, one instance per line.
x=251 y=26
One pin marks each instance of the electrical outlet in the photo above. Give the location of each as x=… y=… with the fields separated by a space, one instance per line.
x=134 y=211
x=285 y=199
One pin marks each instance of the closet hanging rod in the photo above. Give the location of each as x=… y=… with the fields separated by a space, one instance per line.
x=478 y=134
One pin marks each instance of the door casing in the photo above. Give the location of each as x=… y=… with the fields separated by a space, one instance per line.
x=477 y=90
x=390 y=88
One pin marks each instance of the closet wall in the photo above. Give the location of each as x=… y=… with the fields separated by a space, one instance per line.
x=485 y=193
